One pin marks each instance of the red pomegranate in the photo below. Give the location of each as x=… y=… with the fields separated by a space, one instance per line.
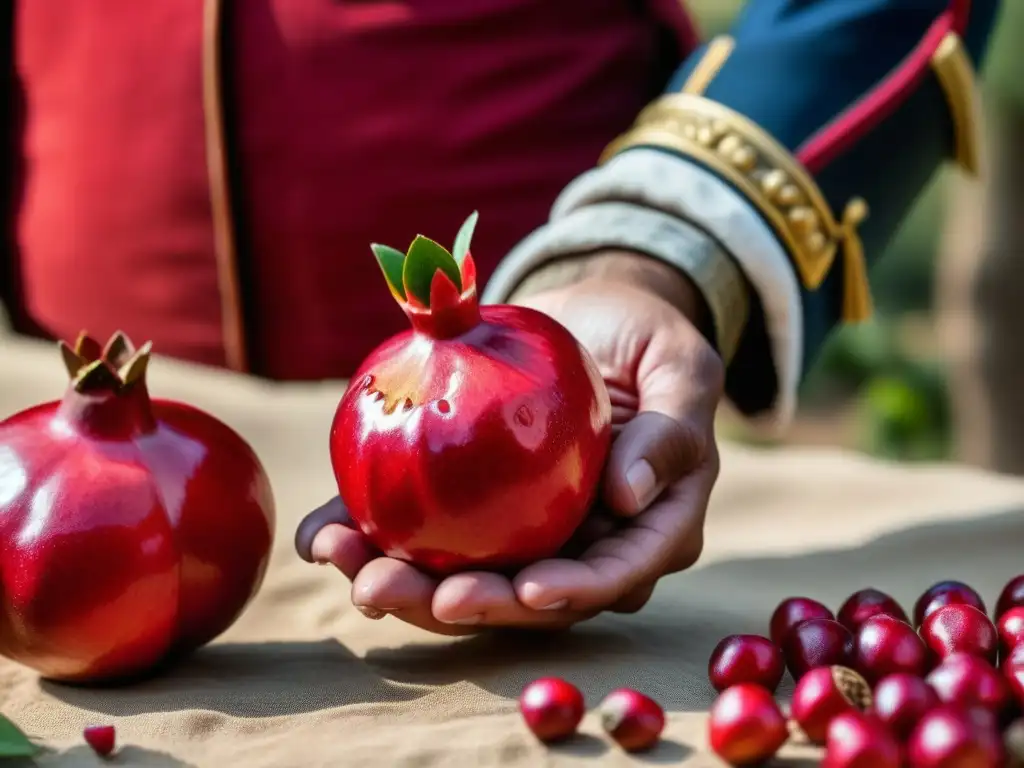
x=476 y=439
x=134 y=529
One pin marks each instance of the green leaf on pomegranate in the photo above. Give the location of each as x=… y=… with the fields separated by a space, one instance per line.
x=465 y=236
x=391 y=261
x=424 y=258
x=14 y=743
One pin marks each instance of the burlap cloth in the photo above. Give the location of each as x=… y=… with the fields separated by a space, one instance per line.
x=305 y=680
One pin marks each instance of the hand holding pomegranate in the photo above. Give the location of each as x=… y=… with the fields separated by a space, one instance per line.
x=665 y=382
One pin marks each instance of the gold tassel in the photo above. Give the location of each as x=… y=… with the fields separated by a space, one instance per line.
x=857 y=303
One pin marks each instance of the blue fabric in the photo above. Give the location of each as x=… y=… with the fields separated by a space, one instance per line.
x=799 y=63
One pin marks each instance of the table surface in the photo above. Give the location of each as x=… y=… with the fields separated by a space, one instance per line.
x=304 y=679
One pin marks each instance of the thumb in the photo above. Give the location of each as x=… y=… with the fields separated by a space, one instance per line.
x=651 y=452
x=671 y=435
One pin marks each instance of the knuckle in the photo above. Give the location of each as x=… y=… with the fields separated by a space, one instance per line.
x=689 y=553
x=709 y=368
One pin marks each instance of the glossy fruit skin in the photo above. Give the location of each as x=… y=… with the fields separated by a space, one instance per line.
x=1011 y=596
x=884 y=645
x=101 y=738
x=633 y=720
x=856 y=741
x=862 y=605
x=745 y=659
x=960 y=628
x=824 y=693
x=552 y=708
x=1012 y=670
x=901 y=700
x=793 y=611
x=817 y=643
x=480 y=451
x=965 y=680
x=139 y=531
x=945 y=593
x=746 y=726
x=951 y=737
x=1010 y=628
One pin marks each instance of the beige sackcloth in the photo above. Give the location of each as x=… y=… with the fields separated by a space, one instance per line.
x=305 y=680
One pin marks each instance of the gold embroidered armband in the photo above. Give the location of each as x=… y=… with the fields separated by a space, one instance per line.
x=768 y=175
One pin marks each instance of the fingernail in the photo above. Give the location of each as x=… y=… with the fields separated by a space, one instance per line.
x=468 y=620
x=371 y=613
x=319 y=551
x=642 y=482
x=555 y=606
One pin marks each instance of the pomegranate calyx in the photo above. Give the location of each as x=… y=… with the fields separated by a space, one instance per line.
x=434 y=286
x=115 y=367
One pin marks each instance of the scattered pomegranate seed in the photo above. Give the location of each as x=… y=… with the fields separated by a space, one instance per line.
x=101 y=738
x=862 y=605
x=1012 y=669
x=856 y=741
x=633 y=720
x=552 y=708
x=884 y=645
x=969 y=681
x=901 y=700
x=951 y=737
x=746 y=726
x=793 y=611
x=1011 y=596
x=817 y=643
x=824 y=693
x=961 y=628
x=945 y=593
x=745 y=659
x=1010 y=628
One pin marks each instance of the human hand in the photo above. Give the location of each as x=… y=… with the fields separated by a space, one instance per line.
x=665 y=383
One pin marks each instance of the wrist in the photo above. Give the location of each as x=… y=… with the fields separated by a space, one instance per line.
x=634 y=269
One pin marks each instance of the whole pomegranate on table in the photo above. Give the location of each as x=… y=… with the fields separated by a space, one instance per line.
x=476 y=439
x=133 y=529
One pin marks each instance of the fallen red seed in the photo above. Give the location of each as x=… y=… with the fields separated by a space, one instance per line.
x=101 y=738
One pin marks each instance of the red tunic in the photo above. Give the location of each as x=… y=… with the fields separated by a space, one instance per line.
x=347 y=122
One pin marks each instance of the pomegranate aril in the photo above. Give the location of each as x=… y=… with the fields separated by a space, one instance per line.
x=960 y=628
x=945 y=593
x=633 y=720
x=824 y=693
x=1010 y=628
x=862 y=605
x=746 y=726
x=952 y=737
x=967 y=681
x=856 y=741
x=817 y=643
x=745 y=659
x=793 y=611
x=901 y=700
x=884 y=645
x=101 y=738
x=1011 y=596
x=552 y=708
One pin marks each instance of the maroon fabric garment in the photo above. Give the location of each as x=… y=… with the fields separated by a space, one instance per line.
x=351 y=121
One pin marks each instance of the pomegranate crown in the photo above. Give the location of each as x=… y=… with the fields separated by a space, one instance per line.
x=428 y=275
x=115 y=367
